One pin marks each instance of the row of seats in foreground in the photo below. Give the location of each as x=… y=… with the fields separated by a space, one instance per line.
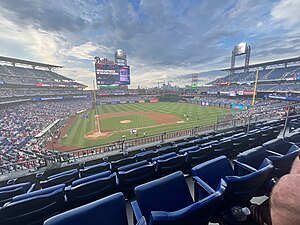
x=249 y=177
x=168 y=200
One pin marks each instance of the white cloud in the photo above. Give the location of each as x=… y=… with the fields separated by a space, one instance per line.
x=287 y=12
x=84 y=51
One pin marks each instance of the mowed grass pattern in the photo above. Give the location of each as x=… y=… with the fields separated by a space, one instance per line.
x=113 y=124
x=198 y=116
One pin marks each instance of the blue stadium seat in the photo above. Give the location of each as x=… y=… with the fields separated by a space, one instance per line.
x=98 y=168
x=240 y=189
x=280 y=146
x=282 y=162
x=293 y=137
x=110 y=210
x=191 y=148
x=122 y=162
x=223 y=147
x=148 y=155
x=169 y=163
x=168 y=201
x=91 y=188
x=167 y=149
x=66 y=178
x=195 y=157
x=133 y=175
x=239 y=144
x=10 y=191
x=34 y=207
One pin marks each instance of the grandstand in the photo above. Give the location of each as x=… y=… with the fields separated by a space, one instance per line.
x=31 y=108
x=33 y=114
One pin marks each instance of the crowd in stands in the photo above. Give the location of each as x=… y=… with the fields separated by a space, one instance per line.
x=29 y=76
x=287 y=87
x=268 y=74
x=20 y=123
x=31 y=92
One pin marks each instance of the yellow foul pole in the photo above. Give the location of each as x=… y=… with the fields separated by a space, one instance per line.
x=255 y=85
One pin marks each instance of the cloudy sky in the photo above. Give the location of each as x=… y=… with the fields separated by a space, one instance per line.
x=167 y=39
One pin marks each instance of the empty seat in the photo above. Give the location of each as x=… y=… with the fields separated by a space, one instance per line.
x=135 y=174
x=122 y=162
x=168 y=201
x=280 y=146
x=10 y=191
x=110 y=210
x=148 y=155
x=195 y=157
x=169 y=163
x=66 y=178
x=239 y=144
x=223 y=147
x=166 y=149
x=240 y=189
x=91 y=188
x=98 y=168
x=282 y=162
x=34 y=207
x=191 y=148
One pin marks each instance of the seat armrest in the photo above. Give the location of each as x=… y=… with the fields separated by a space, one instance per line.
x=32 y=188
x=198 y=183
x=11 y=181
x=142 y=221
x=274 y=153
x=39 y=175
x=136 y=211
x=244 y=166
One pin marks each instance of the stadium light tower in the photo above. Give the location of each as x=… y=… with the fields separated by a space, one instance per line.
x=240 y=49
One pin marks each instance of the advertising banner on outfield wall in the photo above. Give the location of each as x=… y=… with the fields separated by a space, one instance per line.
x=154 y=100
x=248 y=92
x=113 y=103
x=123 y=102
x=131 y=102
x=141 y=101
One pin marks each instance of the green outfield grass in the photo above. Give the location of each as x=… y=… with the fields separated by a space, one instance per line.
x=198 y=116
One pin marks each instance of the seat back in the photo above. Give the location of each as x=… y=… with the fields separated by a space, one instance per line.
x=252 y=157
x=110 y=210
x=161 y=195
x=34 y=207
x=9 y=191
x=131 y=177
x=167 y=149
x=240 y=189
x=148 y=155
x=91 y=188
x=62 y=178
x=191 y=148
x=212 y=171
x=98 y=168
x=169 y=164
x=201 y=155
x=279 y=145
x=122 y=162
x=198 y=213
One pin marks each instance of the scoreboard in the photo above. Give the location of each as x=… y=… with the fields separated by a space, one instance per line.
x=110 y=74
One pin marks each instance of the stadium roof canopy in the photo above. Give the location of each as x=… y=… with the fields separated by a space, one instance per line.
x=264 y=65
x=26 y=62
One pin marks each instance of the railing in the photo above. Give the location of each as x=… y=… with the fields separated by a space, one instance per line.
x=124 y=145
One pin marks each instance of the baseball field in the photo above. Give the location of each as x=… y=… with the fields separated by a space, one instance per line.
x=109 y=123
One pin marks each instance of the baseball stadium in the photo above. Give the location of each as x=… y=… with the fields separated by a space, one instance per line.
x=219 y=146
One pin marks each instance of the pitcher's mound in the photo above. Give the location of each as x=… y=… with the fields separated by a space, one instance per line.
x=94 y=135
x=125 y=121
